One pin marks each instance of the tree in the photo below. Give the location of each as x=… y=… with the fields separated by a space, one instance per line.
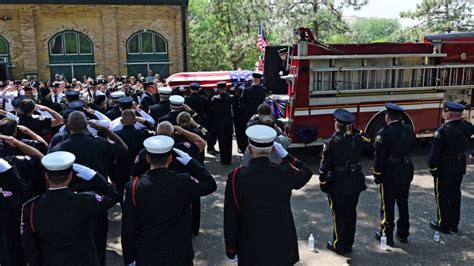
x=440 y=16
x=375 y=30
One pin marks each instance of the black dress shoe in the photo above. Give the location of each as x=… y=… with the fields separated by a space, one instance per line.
x=403 y=240
x=434 y=225
x=212 y=151
x=331 y=248
x=378 y=236
x=454 y=230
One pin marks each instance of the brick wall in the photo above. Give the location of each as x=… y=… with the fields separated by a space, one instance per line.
x=109 y=27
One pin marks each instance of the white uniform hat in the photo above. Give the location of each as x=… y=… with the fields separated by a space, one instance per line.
x=117 y=95
x=176 y=100
x=58 y=161
x=165 y=91
x=260 y=136
x=158 y=144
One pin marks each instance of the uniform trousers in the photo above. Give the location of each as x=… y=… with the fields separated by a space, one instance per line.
x=448 y=200
x=389 y=195
x=344 y=214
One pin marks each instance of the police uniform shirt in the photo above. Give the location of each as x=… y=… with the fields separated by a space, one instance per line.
x=36 y=123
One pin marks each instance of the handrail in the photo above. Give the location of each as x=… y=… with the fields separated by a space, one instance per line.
x=329 y=69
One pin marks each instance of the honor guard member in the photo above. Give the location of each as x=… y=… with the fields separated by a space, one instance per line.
x=253 y=96
x=115 y=112
x=177 y=106
x=197 y=101
x=56 y=225
x=222 y=110
x=40 y=124
x=340 y=176
x=447 y=163
x=258 y=221
x=163 y=107
x=156 y=228
x=147 y=98
x=393 y=170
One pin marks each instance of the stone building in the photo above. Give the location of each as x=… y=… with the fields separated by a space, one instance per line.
x=90 y=37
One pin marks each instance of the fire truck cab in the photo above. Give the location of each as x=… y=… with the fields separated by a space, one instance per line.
x=420 y=77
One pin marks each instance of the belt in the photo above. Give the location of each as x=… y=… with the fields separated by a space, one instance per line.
x=458 y=156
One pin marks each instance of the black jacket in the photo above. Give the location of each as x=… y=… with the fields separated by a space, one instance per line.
x=160 y=109
x=56 y=226
x=156 y=228
x=198 y=103
x=258 y=221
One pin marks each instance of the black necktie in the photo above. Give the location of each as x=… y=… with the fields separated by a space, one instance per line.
x=56 y=98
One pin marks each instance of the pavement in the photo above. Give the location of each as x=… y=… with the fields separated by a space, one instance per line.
x=312 y=216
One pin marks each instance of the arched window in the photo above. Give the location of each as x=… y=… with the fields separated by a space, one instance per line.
x=70 y=43
x=71 y=53
x=4 y=59
x=147 y=42
x=147 y=50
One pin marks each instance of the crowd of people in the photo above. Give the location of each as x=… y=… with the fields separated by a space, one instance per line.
x=61 y=142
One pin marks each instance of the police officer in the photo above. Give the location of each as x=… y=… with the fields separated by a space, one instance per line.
x=447 y=163
x=393 y=170
x=163 y=107
x=253 y=96
x=258 y=221
x=222 y=110
x=55 y=225
x=115 y=112
x=147 y=98
x=342 y=179
x=156 y=214
x=142 y=121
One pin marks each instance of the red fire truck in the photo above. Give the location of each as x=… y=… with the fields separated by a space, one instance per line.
x=420 y=77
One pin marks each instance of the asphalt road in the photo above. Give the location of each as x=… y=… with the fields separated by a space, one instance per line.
x=312 y=215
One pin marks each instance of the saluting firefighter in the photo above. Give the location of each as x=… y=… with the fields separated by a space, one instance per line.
x=393 y=170
x=447 y=163
x=342 y=179
x=258 y=221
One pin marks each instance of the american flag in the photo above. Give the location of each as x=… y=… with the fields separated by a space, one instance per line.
x=209 y=79
x=261 y=39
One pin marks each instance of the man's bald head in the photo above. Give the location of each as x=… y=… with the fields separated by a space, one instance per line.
x=76 y=122
x=165 y=128
x=128 y=117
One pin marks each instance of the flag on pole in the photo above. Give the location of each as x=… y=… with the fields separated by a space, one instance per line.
x=261 y=39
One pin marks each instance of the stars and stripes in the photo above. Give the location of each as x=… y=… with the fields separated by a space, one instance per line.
x=209 y=79
x=261 y=39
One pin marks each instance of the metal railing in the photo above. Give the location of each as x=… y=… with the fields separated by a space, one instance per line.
x=395 y=77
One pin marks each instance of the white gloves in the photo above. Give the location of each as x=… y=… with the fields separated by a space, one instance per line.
x=234 y=260
x=279 y=150
x=83 y=172
x=4 y=166
x=183 y=157
x=133 y=263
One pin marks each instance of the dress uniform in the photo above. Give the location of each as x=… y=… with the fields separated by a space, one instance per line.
x=14 y=193
x=56 y=225
x=239 y=120
x=163 y=107
x=342 y=179
x=115 y=112
x=393 y=170
x=253 y=96
x=147 y=98
x=156 y=228
x=222 y=110
x=197 y=102
x=258 y=221
x=176 y=105
x=447 y=163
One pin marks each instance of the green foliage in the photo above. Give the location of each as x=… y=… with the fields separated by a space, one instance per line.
x=440 y=16
x=375 y=30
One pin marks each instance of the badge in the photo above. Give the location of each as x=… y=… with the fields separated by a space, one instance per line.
x=378 y=139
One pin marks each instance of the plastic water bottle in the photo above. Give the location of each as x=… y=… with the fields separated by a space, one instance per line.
x=311 y=242
x=383 y=242
x=437 y=237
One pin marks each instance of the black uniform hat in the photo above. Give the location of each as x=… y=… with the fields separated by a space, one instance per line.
x=221 y=84
x=394 y=107
x=76 y=105
x=257 y=75
x=195 y=86
x=99 y=99
x=56 y=84
x=72 y=96
x=101 y=81
x=17 y=100
x=282 y=51
x=146 y=84
x=454 y=107
x=17 y=82
x=125 y=102
x=344 y=117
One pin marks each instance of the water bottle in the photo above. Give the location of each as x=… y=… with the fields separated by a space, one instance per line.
x=437 y=237
x=383 y=242
x=311 y=242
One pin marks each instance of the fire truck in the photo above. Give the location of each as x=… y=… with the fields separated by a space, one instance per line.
x=420 y=77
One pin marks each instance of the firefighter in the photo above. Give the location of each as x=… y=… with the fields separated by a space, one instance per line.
x=253 y=96
x=393 y=170
x=222 y=109
x=447 y=163
x=342 y=179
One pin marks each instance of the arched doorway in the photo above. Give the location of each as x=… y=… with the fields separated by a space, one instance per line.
x=71 y=53
x=4 y=59
x=147 y=50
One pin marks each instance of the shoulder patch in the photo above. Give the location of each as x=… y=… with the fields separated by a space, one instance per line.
x=378 y=139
